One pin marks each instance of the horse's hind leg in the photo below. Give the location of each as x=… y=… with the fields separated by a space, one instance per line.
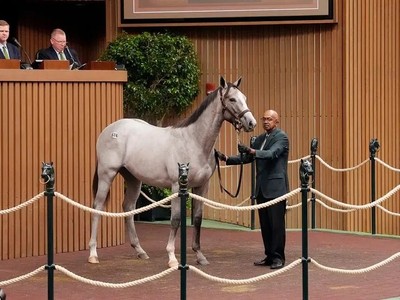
x=132 y=192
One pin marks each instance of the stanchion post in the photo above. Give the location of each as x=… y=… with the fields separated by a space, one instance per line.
x=253 y=187
x=305 y=171
x=183 y=194
x=373 y=148
x=49 y=179
x=313 y=150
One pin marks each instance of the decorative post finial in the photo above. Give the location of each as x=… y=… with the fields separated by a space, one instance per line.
x=373 y=147
x=305 y=170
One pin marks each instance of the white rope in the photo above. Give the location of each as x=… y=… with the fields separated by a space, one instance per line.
x=334 y=209
x=388 y=211
x=22 y=277
x=249 y=207
x=153 y=201
x=341 y=170
x=363 y=206
x=245 y=281
x=386 y=165
x=115 y=285
x=239 y=204
x=116 y=215
x=357 y=271
x=22 y=205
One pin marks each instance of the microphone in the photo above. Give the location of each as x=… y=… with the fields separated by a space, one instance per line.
x=74 y=63
x=19 y=45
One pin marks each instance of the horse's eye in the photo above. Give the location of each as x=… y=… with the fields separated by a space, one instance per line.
x=232 y=99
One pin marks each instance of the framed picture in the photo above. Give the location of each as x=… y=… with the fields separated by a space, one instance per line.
x=224 y=12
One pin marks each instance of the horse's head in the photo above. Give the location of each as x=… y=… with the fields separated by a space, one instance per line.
x=305 y=170
x=183 y=175
x=48 y=173
x=235 y=107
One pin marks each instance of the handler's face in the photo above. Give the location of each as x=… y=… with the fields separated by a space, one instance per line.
x=270 y=120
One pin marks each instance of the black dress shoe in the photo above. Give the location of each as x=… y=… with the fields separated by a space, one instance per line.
x=277 y=263
x=263 y=262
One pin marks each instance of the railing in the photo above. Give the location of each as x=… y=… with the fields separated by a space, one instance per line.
x=50 y=267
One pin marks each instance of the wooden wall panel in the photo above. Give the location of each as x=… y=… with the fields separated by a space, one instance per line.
x=338 y=83
x=291 y=69
x=371 y=104
x=58 y=122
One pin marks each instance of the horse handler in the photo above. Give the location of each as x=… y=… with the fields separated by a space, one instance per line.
x=271 y=152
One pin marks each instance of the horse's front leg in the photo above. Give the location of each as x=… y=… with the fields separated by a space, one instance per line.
x=175 y=222
x=197 y=220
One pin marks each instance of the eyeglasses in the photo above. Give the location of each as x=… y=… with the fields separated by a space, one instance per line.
x=59 y=42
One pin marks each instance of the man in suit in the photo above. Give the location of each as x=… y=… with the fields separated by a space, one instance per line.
x=7 y=50
x=271 y=152
x=59 y=50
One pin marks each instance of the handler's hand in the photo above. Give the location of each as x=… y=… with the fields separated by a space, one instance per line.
x=243 y=149
x=220 y=155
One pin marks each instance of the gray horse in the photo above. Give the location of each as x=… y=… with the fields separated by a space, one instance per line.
x=141 y=152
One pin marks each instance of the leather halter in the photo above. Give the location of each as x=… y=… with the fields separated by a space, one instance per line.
x=236 y=122
x=238 y=125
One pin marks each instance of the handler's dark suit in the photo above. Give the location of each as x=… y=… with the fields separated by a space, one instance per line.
x=13 y=51
x=50 y=53
x=271 y=182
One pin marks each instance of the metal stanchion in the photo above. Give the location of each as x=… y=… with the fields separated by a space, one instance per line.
x=305 y=171
x=183 y=194
x=373 y=148
x=49 y=179
x=313 y=150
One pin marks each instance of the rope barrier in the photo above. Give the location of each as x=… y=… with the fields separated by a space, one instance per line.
x=217 y=205
x=357 y=271
x=22 y=277
x=22 y=205
x=245 y=281
x=340 y=170
x=201 y=273
x=115 y=285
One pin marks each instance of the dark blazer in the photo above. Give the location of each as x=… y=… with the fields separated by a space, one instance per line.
x=13 y=51
x=271 y=164
x=50 y=53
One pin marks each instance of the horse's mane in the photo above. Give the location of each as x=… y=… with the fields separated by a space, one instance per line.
x=197 y=113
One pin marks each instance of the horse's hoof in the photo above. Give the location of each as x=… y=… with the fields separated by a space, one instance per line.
x=203 y=262
x=173 y=264
x=143 y=256
x=93 y=260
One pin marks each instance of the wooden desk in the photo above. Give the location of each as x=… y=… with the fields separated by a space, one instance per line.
x=55 y=116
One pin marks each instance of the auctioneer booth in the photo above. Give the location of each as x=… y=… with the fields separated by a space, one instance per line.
x=54 y=115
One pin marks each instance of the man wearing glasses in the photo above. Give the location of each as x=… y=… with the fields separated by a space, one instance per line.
x=59 y=49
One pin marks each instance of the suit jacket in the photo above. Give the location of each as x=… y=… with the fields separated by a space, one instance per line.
x=271 y=164
x=13 y=51
x=50 y=53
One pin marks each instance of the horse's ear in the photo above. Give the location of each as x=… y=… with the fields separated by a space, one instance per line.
x=237 y=82
x=222 y=82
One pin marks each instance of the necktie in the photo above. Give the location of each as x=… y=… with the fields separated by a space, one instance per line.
x=265 y=140
x=62 y=56
x=5 y=52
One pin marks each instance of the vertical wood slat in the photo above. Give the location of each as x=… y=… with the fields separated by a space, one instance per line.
x=59 y=122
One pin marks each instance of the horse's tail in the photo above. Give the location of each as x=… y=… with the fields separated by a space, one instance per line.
x=95 y=182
